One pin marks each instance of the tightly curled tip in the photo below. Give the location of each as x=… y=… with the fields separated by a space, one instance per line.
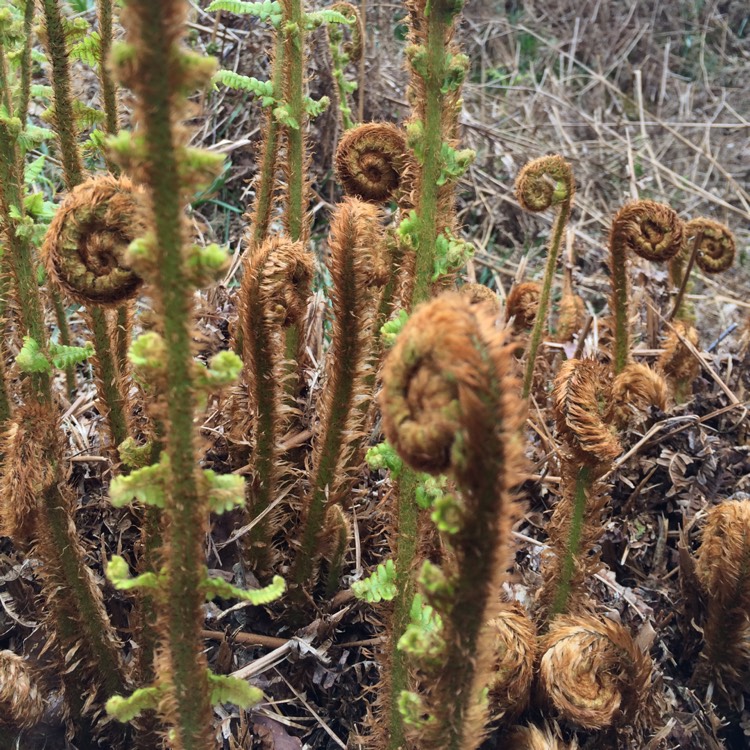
x=354 y=47
x=722 y=561
x=545 y=182
x=283 y=270
x=677 y=361
x=515 y=652
x=637 y=388
x=538 y=738
x=86 y=243
x=717 y=246
x=582 y=400
x=21 y=704
x=372 y=161
x=522 y=305
x=479 y=294
x=651 y=230
x=431 y=381
x=592 y=672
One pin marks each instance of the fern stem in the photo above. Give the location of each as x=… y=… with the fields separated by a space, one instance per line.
x=24 y=93
x=540 y=321
x=572 y=547
x=110 y=382
x=65 y=122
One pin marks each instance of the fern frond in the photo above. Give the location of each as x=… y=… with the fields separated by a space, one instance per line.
x=88 y=50
x=219 y=587
x=380 y=586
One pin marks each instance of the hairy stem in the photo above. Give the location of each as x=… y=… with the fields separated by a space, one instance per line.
x=573 y=543
x=540 y=322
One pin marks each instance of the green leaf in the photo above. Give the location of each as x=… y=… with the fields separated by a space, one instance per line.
x=133 y=455
x=118 y=573
x=391 y=329
x=33 y=171
x=88 y=50
x=40 y=91
x=218 y=587
x=95 y=143
x=226 y=689
x=85 y=117
x=265 y=11
x=318 y=17
x=422 y=638
x=68 y=356
x=148 y=352
x=262 y=89
x=32 y=136
x=284 y=117
x=207 y=264
x=225 y=491
x=146 y=485
x=380 y=586
x=125 y=709
x=316 y=107
x=384 y=456
x=31 y=359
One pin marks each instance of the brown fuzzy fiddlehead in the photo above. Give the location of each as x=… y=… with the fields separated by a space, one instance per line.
x=723 y=570
x=522 y=305
x=538 y=738
x=717 y=248
x=652 y=231
x=635 y=389
x=677 y=362
x=359 y=269
x=85 y=247
x=21 y=703
x=372 y=160
x=275 y=287
x=479 y=294
x=582 y=403
x=582 y=400
x=515 y=650
x=449 y=404
x=592 y=672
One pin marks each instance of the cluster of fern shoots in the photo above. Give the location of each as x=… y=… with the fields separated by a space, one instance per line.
x=424 y=377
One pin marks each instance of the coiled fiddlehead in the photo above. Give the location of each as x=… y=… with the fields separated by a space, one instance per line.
x=359 y=270
x=538 y=738
x=717 y=247
x=21 y=703
x=652 y=231
x=371 y=162
x=545 y=183
x=677 y=361
x=522 y=305
x=449 y=404
x=723 y=570
x=635 y=389
x=273 y=297
x=582 y=401
x=515 y=653
x=85 y=247
x=592 y=672
x=479 y=294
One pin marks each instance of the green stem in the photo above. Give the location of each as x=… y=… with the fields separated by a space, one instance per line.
x=186 y=510
x=122 y=338
x=540 y=322
x=293 y=25
x=109 y=90
x=64 y=328
x=110 y=384
x=621 y=305
x=24 y=94
x=65 y=123
x=427 y=203
x=406 y=553
x=572 y=549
